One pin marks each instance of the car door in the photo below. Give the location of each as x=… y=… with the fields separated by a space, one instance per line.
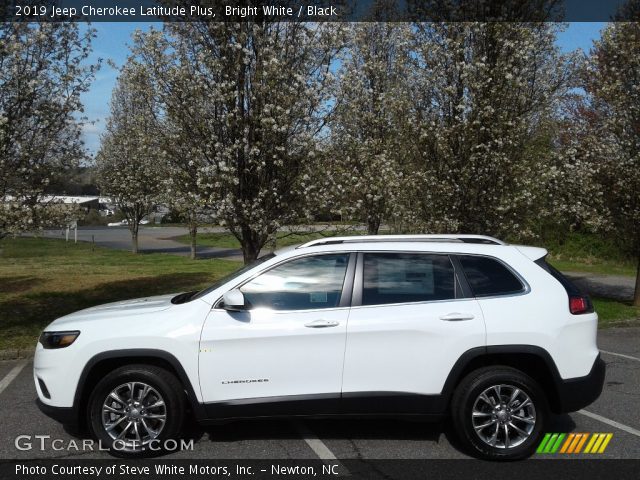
x=409 y=323
x=289 y=342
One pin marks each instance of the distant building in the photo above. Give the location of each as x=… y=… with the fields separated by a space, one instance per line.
x=103 y=205
x=85 y=202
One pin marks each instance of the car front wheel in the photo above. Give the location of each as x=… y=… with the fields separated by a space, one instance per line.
x=135 y=409
x=499 y=413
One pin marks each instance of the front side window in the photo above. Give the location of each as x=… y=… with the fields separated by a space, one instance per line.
x=301 y=284
x=231 y=276
x=406 y=277
x=488 y=277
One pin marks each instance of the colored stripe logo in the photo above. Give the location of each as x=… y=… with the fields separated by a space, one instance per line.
x=574 y=443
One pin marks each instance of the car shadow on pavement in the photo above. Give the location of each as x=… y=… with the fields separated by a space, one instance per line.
x=365 y=428
x=265 y=429
x=329 y=429
x=561 y=423
x=346 y=429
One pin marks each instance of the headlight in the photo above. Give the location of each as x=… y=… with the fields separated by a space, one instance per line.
x=58 y=339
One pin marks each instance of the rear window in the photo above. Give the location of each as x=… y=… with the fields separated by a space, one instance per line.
x=489 y=277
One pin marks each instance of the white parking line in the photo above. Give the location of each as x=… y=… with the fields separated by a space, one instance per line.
x=13 y=373
x=612 y=423
x=319 y=447
x=629 y=357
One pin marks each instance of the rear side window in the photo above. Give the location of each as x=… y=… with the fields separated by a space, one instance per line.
x=406 y=277
x=488 y=277
x=568 y=285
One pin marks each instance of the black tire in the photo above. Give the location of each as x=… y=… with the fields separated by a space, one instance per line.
x=169 y=390
x=467 y=394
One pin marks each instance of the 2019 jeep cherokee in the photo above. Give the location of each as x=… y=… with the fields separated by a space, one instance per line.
x=425 y=325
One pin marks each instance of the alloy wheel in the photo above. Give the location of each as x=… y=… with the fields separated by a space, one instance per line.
x=503 y=416
x=134 y=414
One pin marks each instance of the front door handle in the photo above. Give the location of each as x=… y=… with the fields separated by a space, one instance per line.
x=322 y=324
x=457 y=317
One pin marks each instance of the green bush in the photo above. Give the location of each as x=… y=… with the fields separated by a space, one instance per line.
x=587 y=246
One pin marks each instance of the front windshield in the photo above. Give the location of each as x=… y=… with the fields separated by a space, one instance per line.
x=233 y=275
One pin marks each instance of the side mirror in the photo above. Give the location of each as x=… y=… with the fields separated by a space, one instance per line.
x=233 y=301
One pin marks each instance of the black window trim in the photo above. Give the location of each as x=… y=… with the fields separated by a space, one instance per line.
x=460 y=277
x=347 y=284
x=358 y=283
x=525 y=285
x=570 y=287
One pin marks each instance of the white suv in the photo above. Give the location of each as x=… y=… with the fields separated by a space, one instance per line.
x=426 y=325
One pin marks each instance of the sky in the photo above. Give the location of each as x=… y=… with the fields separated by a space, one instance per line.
x=113 y=39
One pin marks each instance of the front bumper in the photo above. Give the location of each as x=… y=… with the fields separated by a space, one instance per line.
x=64 y=415
x=577 y=393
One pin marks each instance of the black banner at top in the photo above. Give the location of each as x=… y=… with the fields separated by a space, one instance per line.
x=319 y=10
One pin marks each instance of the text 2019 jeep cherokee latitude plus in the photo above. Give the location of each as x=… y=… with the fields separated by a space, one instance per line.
x=426 y=325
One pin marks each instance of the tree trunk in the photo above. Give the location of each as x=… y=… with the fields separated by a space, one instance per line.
x=134 y=241
x=193 y=232
x=636 y=295
x=133 y=228
x=250 y=250
x=373 y=225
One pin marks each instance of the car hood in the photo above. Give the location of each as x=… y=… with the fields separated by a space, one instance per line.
x=137 y=306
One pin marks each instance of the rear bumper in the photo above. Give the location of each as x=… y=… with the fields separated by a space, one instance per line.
x=577 y=393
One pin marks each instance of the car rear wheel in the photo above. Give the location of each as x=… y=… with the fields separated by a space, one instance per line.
x=135 y=409
x=499 y=413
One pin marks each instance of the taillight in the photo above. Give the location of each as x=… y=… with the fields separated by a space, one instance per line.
x=579 y=305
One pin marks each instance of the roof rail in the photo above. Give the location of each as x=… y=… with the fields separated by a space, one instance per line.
x=484 y=239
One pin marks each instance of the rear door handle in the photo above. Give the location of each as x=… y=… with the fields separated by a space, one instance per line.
x=457 y=317
x=322 y=324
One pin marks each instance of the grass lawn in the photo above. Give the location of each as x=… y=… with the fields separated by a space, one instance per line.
x=616 y=314
x=220 y=240
x=601 y=267
x=43 y=279
x=584 y=252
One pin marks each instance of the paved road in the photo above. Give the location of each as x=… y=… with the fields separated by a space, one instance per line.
x=150 y=239
x=617 y=287
x=616 y=411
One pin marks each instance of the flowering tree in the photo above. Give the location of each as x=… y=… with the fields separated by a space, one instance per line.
x=486 y=94
x=129 y=162
x=252 y=97
x=572 y=197
x=43 y=72
x=187 y=118
x=613 y=84
x=368 y=129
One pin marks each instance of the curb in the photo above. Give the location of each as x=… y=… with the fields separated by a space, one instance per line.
x=14 y=354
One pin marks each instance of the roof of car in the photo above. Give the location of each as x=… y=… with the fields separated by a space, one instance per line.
x=455 y=243
x=438 y=238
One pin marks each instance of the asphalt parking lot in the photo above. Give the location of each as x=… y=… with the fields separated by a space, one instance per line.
x=616 y=411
